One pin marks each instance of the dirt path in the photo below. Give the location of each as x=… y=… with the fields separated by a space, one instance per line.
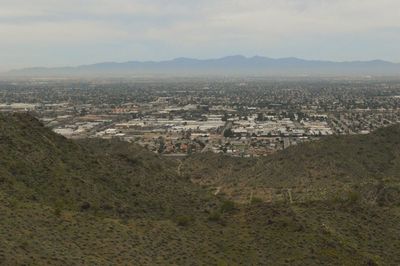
x=217 y=192
x=179 y=168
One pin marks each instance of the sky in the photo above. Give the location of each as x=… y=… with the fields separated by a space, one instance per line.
x=75 y=32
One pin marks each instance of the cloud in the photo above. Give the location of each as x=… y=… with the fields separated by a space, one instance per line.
x=197 y=28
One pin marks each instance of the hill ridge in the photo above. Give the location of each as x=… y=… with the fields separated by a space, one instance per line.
x=97 y=202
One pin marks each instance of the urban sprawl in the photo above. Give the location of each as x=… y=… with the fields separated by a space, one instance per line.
x=243 y=118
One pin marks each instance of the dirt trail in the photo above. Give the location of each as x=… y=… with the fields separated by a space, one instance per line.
x=179 y=168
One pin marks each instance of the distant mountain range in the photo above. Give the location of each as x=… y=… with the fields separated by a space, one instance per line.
x=230 y=65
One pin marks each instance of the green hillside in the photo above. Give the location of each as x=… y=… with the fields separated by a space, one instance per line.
x=96 y=202
x=106 y=177
x=311 y=171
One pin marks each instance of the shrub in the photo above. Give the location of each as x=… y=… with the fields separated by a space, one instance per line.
x=214 y=216
x=57 y=211
x=183 y=220
x=255 y=200
x=227 y=206
x=85 y=206
x=353 y=197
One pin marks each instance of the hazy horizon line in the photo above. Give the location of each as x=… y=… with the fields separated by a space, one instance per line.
x=192 y=58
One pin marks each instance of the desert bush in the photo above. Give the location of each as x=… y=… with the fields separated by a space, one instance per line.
x=256 y=200
x=183 y=220
x=214 y=216
x=227 y=206
x=353 y=197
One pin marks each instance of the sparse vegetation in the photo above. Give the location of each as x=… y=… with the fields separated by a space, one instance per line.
x=106 y=202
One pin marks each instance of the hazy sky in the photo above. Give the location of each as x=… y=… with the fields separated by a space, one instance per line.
x=71 y=32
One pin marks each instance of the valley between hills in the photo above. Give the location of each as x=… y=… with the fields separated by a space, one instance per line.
x=335 y=201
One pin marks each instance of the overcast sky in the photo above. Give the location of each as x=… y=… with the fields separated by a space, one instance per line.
x=72 y=32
